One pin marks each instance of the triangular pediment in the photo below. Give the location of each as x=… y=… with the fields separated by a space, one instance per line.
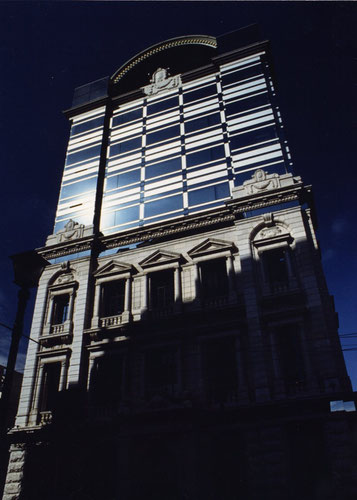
x=160 y=257
x=211 y=246
x=113 y=267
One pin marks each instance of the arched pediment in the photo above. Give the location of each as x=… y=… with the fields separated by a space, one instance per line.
x=65 y=275
x=270 y=229
x=172 y=54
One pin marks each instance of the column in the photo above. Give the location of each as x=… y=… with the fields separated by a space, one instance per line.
x=90 y=368
x=70 y=312
x=50 y=310
x=96 y=306
x=144 y=292
x=63 y=375
x=279 y=385
x=177 y=289
x=127 y=294
x=36 y=396
x=196 y=282
x=47 y=326
x=230 y=275
x=242 y=382
x=71 y=305
x=127 y=300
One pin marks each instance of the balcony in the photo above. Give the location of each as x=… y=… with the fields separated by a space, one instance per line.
x=112 y=321
x=58 y=334
x=215 y=302
x=161 y=313
x=45 y=417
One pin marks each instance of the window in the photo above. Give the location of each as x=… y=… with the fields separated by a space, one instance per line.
x=129 y=116
x=162 y=168
x=168 y=204
x=113 y=294
x=205 y=155
x=84 y=154
x=276 y=268
x=162 y=105
x=77 y=188
x=163 y=134
x=202 y=122
x=125 y=146
x=256 y=101
x=162 y=289
x=161 y=371
x=251 y=137
x=200 y=93
x=123 y=179
x=214 y=279
x=60 y=309
x=50 y=385
x=88 y=125
x=106 y=380
x=208 y=194
x=220 y=370
x=242 y=74
x=290 y=354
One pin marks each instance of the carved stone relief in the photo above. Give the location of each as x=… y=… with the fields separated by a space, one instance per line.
x=71 y=231
x=160 y=82
x=261 y=181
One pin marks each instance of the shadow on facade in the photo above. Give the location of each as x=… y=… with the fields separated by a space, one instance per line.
x=223 y=398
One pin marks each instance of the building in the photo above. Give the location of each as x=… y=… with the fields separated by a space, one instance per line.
x=188 y=342
x=14 y=394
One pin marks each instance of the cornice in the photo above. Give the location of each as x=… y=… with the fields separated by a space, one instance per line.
x=66 y=248
x=228 y=213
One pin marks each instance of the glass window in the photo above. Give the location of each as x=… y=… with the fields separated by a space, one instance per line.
x=126 y=215
x=161 y=371
x=252 y=137
x=162 y=105
x=162 y=289
x=203 y=122
x=220 y=370
x=205 y=155
x=161 y=135
x=129 y=116
x=60 y=309
x=247 y=104
x=209 y=90
x=84 y=154
x=106 y=380
x=78 y=187
x=275 y=267
x=164 y=205
x=113 y=294
x=125 y=146
x=123 y=179
x=208 y=194
x=290 y=353
x=50 y=385
x=242 y=74
x=214 y=279
x=163 y=168
x=90 y=124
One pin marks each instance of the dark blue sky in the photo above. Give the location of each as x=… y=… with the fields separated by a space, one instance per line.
x=49 y=48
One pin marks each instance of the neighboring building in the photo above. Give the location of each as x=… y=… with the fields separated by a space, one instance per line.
x=14 y=394
x=188 y=342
